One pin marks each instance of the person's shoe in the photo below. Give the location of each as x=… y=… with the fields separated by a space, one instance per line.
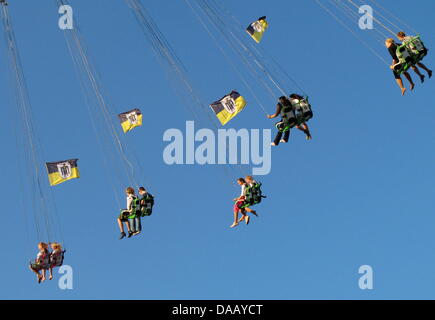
x=273 y=144
x=122 y=236
x=308 y=137
x=136 y=233
x=234 y=225
x=255 y=213
x=130 y=233
x=430 y=73
x=283 y=141
x=412 y=87
x=247 y=219
x=422 y=78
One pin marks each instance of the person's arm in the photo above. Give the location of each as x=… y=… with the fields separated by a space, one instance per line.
x=276 y=114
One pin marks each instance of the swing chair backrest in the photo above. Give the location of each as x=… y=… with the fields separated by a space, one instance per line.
x=56 y=260
x=415 y=45
x=409 y=53
x=303 y=109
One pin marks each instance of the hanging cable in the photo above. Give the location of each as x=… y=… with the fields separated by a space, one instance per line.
x=336 y=18
x=407 y=26
x=101 y=112
x=225 y=54
x=170 y=60
x=354 y=17
x=374 y=19
x=31 y=146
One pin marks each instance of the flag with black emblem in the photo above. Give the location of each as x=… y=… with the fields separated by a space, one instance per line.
x=228 y=107
x=257 y=28
x=62 y=171
x=130 y=119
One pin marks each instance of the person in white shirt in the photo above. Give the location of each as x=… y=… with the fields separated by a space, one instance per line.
x=249 y=182
x=238 y=202
x=125 y=213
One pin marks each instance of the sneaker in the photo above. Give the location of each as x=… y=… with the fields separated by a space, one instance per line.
x=283 y=141
x=136 y=233
x=122 y=236
x=422 y=79
x=430 y=73
x=247 y=219
x=234 y=225
x=130 y=233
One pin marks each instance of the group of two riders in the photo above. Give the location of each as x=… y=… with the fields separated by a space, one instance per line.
x=137 y=207
x=397 y=65
x=46 y=260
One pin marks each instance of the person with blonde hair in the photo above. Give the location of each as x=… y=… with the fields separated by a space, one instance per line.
x=250 y=180
x=126 y=213
x=41 y=262
x=56 y=257
x=392 y=47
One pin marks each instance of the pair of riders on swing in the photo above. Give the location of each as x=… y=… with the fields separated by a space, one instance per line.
x=295 y=111
x=137 y=207
x=408 y=55
x=46 y=260
x=249 y=196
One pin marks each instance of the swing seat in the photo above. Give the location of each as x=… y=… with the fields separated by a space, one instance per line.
x=253 y=196
x=57 y=260
x=284 y=126
x=410 y=53
x=302 y=109
x=416 y=48
x=147 y=209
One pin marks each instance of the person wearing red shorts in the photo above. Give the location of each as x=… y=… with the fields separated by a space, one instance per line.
x=238 y=202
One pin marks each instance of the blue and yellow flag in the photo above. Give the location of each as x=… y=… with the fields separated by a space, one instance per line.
x=228 y=107
x=257 y=28
x=130 y=119
x=62 y=171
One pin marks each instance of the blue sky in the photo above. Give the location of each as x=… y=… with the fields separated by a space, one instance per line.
x=359 y=193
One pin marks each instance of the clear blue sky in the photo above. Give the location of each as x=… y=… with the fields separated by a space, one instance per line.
x=361 y=192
